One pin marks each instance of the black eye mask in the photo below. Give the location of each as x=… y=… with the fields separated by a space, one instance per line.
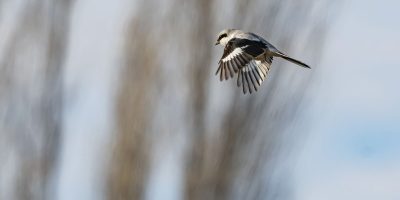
x=222 y=36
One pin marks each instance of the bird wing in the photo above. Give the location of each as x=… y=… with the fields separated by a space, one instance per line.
x=237 y=54
x=240 y=57
x=253 y=74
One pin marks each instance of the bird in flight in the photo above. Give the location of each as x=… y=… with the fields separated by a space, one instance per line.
x=248 y=55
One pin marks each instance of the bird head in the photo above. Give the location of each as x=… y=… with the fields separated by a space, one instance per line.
x=224 y=36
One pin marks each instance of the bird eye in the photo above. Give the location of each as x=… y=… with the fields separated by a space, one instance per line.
x=222 y=36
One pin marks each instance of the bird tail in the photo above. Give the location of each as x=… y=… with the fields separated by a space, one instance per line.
x=286 y=57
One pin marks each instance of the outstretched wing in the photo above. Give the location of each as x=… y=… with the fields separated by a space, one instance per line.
x=250 y=58
x=253 y=74
x=233 y=58
x=237 y=54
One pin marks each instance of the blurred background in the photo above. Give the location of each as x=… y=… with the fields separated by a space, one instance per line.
x=118 y=100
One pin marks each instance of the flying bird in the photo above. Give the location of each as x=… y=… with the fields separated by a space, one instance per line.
x=248 y=55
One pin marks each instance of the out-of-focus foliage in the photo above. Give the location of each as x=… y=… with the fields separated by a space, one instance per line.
x=168 y=99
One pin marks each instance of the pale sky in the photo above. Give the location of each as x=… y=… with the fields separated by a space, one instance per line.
x=353 y=150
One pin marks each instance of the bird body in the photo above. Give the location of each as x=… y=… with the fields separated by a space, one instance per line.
x=248 y=55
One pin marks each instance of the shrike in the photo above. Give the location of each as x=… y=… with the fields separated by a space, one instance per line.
x=250 y=56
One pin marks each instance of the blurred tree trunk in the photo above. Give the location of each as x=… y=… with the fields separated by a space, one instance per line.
x=130 y=161
x=199 y=72
x=30 y=96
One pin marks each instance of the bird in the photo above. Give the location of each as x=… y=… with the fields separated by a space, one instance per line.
x=248 y=55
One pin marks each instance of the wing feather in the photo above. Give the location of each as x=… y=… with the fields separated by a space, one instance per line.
x=253 y=75
x=236 y=55
x=243 y=82
x=239 y=79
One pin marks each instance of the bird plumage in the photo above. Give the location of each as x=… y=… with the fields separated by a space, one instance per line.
x=248 y=55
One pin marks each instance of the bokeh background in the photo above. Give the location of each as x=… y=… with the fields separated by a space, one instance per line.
x=118 y=100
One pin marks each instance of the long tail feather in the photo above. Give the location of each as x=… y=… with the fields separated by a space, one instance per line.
x=297 y=62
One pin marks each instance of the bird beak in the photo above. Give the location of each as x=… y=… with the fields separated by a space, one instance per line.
x=217 y=43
